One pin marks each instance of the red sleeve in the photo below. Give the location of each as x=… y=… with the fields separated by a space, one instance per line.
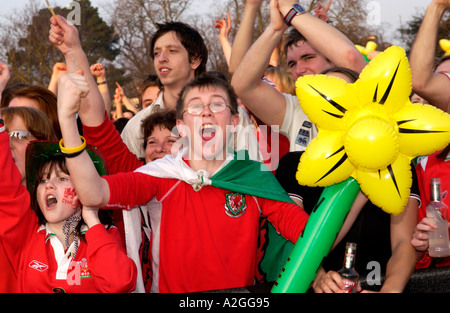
x=424 y=262
x=114 y=271
x=17 y=219
x=116 y=154
x=288 y=219
x=130 y=189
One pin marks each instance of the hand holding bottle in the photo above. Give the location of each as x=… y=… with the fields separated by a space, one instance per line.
x=437 y=211
x=346 y=280
x=421 y=234
x=330 y=282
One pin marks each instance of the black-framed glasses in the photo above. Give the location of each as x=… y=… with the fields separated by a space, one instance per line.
x=198 y=108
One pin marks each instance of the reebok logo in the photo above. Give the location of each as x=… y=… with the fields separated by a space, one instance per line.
x=41 y=267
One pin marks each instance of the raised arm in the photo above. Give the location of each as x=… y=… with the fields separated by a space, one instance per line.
x=325 y=38
x=262 y=99
x=58 y=69
x=425 y=82
x=4 y=77
x=98 y=70
x=91 y=188
x=130 y=106
x=224 y=27
x=65 y=37
x=244 y=35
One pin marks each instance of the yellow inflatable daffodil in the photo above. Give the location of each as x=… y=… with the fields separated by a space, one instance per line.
x=370 y=46
x=369 y=130
x=445 y=45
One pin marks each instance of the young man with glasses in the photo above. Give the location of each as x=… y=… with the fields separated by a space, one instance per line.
x=206 y=205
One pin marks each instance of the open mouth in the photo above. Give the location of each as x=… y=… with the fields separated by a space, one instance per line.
x=208 y=131
x=164 y=70
x=51 y=201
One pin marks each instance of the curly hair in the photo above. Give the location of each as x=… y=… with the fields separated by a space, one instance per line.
x=165 y=118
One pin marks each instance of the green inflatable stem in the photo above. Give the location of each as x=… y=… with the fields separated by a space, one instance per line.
x=318 y=237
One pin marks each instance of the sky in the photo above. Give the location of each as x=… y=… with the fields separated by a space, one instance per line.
x=391 y=12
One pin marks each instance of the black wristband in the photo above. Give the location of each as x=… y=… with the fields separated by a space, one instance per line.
x=72 y=155
x=102 y=83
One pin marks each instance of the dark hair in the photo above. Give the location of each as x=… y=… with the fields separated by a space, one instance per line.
x=149 y=81
x=441 y=60
x=126 y=110
x=120 y=123
x=343 y=70
x=54 y=162
x=189 y=37
x=45 y=98
x=292 y=38
x=206 y=81
x=165 y=118
x=218 y=74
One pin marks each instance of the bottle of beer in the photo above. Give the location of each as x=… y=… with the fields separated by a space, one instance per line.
x=438 y=211
x=347 y=272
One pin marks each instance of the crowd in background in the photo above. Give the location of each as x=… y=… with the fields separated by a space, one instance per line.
x=171 y=218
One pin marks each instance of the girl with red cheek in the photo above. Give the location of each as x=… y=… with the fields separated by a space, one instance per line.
x=58 y=245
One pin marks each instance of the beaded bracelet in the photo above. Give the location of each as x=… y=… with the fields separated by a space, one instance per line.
x=72 y=152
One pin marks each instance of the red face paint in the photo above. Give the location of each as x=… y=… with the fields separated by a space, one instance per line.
x=69 y=194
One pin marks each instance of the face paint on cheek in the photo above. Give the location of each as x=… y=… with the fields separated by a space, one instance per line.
x=69 y=194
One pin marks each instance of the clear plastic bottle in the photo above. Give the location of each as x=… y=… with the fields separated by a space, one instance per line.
x=438 y=211
x=348 y=273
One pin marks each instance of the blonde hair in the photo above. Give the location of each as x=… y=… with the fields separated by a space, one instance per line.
x=282 y=79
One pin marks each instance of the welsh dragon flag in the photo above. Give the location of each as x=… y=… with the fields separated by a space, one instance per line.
x=238 y=174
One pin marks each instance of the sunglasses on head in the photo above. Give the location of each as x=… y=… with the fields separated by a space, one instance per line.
x=20 y=134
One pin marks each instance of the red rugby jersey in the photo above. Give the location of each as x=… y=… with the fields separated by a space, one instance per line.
x=206 y=239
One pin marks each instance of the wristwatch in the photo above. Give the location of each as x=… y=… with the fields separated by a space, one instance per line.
x=295 y=10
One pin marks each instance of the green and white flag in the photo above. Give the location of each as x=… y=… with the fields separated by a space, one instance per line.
x=238 y=174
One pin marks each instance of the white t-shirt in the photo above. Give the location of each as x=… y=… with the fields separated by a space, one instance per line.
x=132 y=134
x=296 y=125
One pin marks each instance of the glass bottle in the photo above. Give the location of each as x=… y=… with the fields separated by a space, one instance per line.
x=348 y=272
x=438 y=212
